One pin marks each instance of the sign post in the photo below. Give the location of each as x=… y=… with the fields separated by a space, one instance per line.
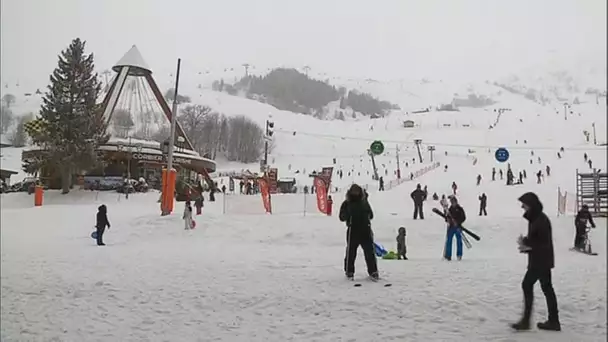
x=501 y=155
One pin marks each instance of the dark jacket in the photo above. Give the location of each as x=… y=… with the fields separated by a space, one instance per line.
x=356 y=212
x=102 y=217
x=582 y=217
x=456 y=215
x=540 y=235
x=418 y=196
x=483 y=201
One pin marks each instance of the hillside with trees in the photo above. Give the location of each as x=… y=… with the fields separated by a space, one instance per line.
x=289 y=89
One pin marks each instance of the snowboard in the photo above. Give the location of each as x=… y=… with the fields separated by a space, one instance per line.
x=582 y=252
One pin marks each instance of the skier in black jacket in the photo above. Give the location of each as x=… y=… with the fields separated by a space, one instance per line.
x=483 y=203
x=418 y=196
x=356 y=212
x=102 y=223
x=580 y=222
x=539 y=245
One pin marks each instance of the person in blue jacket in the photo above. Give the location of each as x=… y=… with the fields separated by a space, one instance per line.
x=455 y=217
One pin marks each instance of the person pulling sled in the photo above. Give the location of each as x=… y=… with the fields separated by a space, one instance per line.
x=356 y=212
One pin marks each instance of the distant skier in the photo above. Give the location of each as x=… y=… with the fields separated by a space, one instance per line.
x=418 y=196
x=493 y=174
x=548 y=170
x=521 y=178
x=356 y=212
x=500 y=174
x=381 y=184
x=454 y=188
x=478 y=180
x=590 y=164
x=456 y=216
x=538 y=244
x=539 y=176
x=525 y=174
x=401 y=247
x=539 y=160
x=585 y=156
x=583 y=217
x=101 y=223
x=444 y=204
x=483 y=202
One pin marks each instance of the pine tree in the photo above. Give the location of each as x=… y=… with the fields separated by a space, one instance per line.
x=74 y=126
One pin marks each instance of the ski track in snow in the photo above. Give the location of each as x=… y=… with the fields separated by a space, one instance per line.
x=273 y=278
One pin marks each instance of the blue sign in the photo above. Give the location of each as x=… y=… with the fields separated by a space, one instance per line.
x=501 y=155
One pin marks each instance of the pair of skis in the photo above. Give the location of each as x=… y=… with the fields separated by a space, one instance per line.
x=358 y=284
x=471 y=234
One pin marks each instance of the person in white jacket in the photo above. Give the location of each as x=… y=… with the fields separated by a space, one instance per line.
x=187 y=216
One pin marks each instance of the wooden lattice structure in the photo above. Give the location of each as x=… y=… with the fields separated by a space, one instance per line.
x=592 y=190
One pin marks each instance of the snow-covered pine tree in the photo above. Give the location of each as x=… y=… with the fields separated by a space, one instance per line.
x=73 y=123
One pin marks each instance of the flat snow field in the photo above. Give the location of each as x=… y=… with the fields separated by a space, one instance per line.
x=274 y=278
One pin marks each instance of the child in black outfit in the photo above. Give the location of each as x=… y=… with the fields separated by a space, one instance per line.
x=102 y=223
x=401 y=248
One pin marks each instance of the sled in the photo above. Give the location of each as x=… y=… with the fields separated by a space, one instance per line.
x=379 y=250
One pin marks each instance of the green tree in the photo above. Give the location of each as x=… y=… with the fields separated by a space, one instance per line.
x=73 y=122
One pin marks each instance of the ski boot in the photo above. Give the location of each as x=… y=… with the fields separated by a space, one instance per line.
x=350 y=276
x=549 y=325
x=374 y=276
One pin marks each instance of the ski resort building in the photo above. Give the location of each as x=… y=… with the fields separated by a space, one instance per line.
x=138 y=120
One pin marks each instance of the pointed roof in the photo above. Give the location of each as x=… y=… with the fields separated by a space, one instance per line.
x=134 y=61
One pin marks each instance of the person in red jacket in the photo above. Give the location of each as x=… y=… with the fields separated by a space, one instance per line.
x=330 y=204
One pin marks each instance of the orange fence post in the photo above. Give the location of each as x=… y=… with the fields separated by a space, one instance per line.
x=38 y=194
x=171 y=178
x=163 y=196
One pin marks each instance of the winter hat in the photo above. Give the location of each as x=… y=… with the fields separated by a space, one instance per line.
x=531 y=200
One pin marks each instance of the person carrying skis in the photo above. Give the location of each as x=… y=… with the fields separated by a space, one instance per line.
x=187 y=217
x=401 y=247
x=456 y=216
x=583 y=217
x=356 y=212
x=538 y=244
x=418 y=196
x=483 y=202
x=102 y=223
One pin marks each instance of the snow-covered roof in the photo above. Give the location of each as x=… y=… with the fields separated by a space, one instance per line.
x=135 y=61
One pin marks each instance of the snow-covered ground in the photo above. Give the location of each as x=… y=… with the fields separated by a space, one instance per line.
x=242 y=275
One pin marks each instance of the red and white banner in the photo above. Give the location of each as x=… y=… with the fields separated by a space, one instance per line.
x=265 y=191
x=321 y=190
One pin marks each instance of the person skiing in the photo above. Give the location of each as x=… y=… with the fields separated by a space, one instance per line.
x=456 y=216
x=401 y=247
x=583 y=217
x=356 y=212
x=418 y=197
x=538 y=244
x=483 y=202
x=101 y=223
x=187 y=217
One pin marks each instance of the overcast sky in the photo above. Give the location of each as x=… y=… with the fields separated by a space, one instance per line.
x=379 y=39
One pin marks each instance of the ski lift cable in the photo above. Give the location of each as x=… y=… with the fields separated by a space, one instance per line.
x=529 y=147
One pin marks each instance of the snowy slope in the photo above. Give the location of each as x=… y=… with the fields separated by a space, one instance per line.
x=243 y=275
